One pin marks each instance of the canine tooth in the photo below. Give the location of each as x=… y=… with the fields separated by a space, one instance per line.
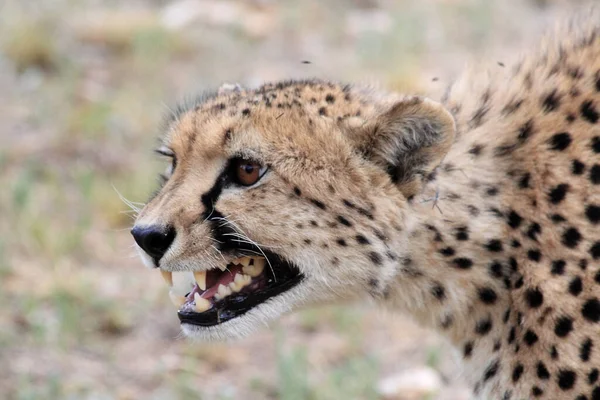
x=177 y=300
x=222 y=267
x=200 y=277
x=167 y=276
x=200 y=303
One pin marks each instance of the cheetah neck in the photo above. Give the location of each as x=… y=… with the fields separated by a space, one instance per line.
x=455 y=277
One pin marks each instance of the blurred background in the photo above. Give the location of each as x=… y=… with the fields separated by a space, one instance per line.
x=83 y=87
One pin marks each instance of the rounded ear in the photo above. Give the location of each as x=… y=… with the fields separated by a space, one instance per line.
x=409 y=141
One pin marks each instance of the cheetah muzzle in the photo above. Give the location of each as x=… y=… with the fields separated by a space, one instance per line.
x=221 y=295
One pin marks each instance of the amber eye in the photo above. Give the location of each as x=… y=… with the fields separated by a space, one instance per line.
x=246 y=172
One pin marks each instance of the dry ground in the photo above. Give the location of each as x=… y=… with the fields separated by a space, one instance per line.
x=83 y=87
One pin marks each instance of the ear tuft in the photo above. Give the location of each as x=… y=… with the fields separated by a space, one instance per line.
x=409 y=141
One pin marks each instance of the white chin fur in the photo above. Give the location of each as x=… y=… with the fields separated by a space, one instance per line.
x=245 y=324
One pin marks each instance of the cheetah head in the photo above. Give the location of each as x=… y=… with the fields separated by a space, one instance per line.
x=288 y=195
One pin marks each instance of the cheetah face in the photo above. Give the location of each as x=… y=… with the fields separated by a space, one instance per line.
x=274 y=208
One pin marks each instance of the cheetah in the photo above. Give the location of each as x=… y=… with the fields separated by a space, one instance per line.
x=478 y=215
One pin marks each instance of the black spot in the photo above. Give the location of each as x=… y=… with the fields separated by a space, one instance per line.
x=551 y=101
x=474 y=211
x=558 y=193
x=246 y=111
x=595 y=251
x=343 y=221
x=597 y=277
x=496 y=269
x=530 y=337
x=542 y=371
x=342 y=242
x=534 y=297
x=487 y=295
x=513 y=264
x=514 y=219
x=307 y=241
x=515 y=243
x=483 y=327
x=447 y=251
x=591 y=310
x=575 y=286
x=571 y=238
x=517 y=372
x=361 y=239
x=511 y=335
x=491 y=370
x=595 y=145
x=595 y=174
x=447 y=322
x=297 y=191
x=476 y=150
x=494 y=245
x=519 y=283
x=557 y=218
x=592 y=212
x=553 y=353
x=593 y=376
x=524 y=180
x=560 y=141
x=463 y=263
x=534 y=230
x=491 y=191
x=583 y=264
x=534 y=255
x=318 y=204
x=588 y=111
x=566 y=379
x=375 y=258
x=323 y=111
x=438 y=292
x=506 y=315
x=570 y=118
x=536 y=391
x=462 y=233
x=577 y=167
x=525 y=131
x=468 y=350
x=586 y=350
x=563 y=326
x=330 y=99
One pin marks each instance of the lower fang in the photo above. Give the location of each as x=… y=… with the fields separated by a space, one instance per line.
x=177 y=300
x=200 y=303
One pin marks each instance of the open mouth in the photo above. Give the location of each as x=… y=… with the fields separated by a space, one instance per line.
x=218 y=295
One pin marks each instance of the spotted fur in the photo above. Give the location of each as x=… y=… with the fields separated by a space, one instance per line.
x=479 y=215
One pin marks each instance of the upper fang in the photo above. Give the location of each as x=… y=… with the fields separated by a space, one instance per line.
x=200 y=277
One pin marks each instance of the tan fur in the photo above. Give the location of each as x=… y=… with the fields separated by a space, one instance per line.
x=477 y=239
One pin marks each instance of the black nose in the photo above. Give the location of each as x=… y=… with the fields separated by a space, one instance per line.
x=154 y=239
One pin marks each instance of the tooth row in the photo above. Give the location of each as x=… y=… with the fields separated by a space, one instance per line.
x=239 y=282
